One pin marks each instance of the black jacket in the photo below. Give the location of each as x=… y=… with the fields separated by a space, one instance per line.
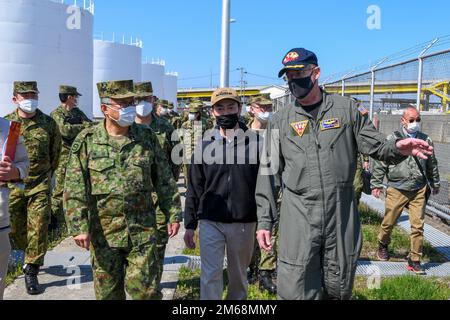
x=219 y=189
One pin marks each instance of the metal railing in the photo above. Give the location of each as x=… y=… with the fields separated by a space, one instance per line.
x=87 y=5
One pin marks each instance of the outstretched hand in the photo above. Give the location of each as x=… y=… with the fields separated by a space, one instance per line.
x=414 y=147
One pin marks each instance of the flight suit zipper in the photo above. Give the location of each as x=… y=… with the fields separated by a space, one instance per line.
x=318 y=147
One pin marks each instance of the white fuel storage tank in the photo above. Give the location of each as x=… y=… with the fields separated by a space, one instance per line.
x=114 y=61
x=171 y=87
x=47 y=41
x=155 y=73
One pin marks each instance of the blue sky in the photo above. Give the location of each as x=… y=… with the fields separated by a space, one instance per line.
x=187 y=33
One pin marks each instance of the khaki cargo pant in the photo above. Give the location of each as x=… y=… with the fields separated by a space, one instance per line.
x=396 y=201
x=30 y=216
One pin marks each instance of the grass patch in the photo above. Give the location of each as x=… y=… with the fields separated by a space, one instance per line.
x=404 y=288
x=188 y=287
x=13 y=274
x=400 y=241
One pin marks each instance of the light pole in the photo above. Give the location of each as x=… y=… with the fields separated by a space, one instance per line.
x=225 y=49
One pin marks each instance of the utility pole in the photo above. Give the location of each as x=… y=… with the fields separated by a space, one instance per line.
x=242 y=82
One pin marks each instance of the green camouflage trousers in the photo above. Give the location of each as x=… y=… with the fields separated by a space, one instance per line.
x=266 y=261
x=57 y=194
x=163 y=239
x=30 y=216
x=133 y=269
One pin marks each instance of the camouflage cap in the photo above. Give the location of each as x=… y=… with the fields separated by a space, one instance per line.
x=69 y=90
x=163 y=103
x=224 y=93
x=262 y=99
x=194 y=109
x=143 y=89
x=121 y=89
x=171 y=106
x=196 y=103
x=25 y=87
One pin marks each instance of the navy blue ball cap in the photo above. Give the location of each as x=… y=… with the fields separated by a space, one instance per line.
x=297 y=59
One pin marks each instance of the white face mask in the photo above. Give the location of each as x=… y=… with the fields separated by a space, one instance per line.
x=28 y=105
x=192 y=117
x=164 y=111
x=144 y=108
x=264 y=117
x=126 y=116
x=413 y=127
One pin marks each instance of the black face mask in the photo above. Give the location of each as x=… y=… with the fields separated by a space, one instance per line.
x=228 y=121
x=301 y=87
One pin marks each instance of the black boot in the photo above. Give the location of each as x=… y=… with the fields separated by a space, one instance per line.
x=31 y=272
x=266 y=282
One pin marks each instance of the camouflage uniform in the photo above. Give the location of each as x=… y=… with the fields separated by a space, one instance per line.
x=30 y=208
x=70 y=124
x=108 y=194
x=191 y=133
x=358 y=182
x=173 y=117
x=143 y=90
x=263 y=260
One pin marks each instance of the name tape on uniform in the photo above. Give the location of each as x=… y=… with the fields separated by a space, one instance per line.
x=300 y=127
x=334 y=123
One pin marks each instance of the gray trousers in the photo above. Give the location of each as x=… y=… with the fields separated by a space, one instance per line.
x=5 y=250
x=237 y=239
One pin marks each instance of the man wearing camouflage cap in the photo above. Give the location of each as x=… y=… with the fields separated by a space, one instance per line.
x=192 y=133
x=161 y=125
x=165 y=227
x=173 y=116
x=113 y=169
x=30 y=208
x=162 y=108
x=263 y=262
x=71 y=121
x=311 y=148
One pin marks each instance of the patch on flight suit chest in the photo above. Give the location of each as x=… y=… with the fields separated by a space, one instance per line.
x=300 y=127
x=329 y=124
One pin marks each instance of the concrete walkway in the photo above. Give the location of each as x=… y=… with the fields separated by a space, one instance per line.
x=67 y=273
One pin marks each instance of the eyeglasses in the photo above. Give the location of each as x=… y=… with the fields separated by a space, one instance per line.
x=414 y=120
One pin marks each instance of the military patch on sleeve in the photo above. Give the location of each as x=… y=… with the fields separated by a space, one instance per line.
x=76 y=146
x=300 y=127
x=334 y=123
x=363 y=111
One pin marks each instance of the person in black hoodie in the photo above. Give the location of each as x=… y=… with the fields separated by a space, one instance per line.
x=221 y=189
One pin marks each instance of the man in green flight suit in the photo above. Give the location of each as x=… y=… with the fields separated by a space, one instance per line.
x=71 y=121
x=113 y=170
x=311 y=152
x=30 y=208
